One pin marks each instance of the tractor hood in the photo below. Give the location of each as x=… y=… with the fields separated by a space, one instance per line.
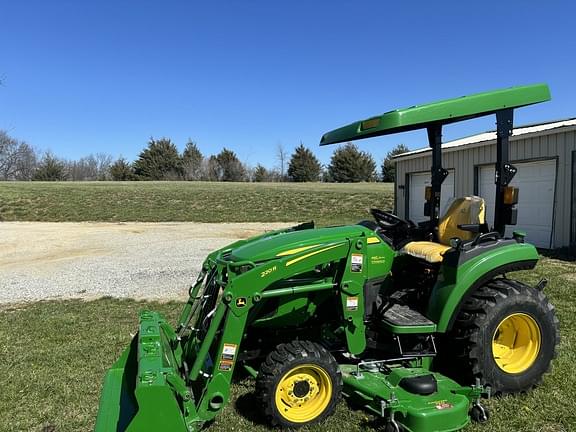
x=289 y=243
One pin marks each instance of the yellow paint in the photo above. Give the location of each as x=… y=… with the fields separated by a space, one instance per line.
x=303 y=393
x=373 y=240
x=308 y=255
x=429 y=251
x=516 y=343
x=295 y=251
x=267 y=272
x=466 y=210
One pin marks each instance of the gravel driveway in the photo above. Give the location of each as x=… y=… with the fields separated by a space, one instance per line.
x=42 y=261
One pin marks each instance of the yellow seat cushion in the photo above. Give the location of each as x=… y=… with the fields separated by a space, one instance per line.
x=429 y=251
x=465 y=210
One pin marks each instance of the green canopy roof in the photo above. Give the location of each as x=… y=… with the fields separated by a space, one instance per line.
x=443 y=112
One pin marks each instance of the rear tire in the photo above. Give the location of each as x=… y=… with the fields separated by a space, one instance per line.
x=505 y=335
x=299 y=384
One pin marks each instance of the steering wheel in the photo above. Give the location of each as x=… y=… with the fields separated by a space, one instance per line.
x=388 y=220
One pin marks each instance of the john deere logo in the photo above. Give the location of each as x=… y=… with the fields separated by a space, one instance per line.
x=241 y=302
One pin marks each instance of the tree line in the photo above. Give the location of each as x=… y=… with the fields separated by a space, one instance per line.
x=161 y=160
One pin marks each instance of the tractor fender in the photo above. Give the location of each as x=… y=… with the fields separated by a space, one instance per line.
x=459 y=277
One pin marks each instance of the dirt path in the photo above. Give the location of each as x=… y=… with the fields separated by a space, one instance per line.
x=90 y=260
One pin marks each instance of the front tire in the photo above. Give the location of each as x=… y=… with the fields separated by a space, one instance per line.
x=506 y=335
x=299 y=384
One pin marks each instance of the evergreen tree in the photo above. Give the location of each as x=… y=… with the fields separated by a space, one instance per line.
x=50 y=168
x=192 y=162
x=121 y=170
x=159 y=161
x=349 y=165
x=230 y=169
x=261 y=174
x=389 y=166
x=303 y=165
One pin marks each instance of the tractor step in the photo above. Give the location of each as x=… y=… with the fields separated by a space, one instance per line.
x=401 y=319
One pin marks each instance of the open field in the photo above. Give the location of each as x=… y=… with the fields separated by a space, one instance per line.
x=326 y=203
x=55 y=354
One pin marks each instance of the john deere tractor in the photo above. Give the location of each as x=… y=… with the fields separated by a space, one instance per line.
x=414 y=323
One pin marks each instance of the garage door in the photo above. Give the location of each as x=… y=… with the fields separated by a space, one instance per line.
x=536 y=181
x=418 y=183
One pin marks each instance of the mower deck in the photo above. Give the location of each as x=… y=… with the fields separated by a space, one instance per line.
x=414 y=398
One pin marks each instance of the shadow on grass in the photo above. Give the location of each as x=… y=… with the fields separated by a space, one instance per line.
x=563 y=254
x=247 y=406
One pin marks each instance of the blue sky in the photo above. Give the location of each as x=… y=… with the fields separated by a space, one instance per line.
x=84 y=77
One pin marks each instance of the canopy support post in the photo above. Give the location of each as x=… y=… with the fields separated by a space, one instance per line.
x=504 y=171
x=438 y=174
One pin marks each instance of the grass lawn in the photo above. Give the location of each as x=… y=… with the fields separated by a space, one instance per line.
x=191 y=201
x=54 y=356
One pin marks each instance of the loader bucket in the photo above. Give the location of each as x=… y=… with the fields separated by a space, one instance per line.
x=117 y=404
x=142 y=390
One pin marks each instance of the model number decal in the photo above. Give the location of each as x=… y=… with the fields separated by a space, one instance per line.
x=267 y=272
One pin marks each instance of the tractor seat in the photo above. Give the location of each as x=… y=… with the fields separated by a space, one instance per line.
x=466 y=210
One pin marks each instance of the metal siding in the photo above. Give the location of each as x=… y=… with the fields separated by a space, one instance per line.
x=514 y=150
x=554 y=144
x=561 y=206
x=400 y=174
x=565 y=144
x=573 y=194
x=570 y=180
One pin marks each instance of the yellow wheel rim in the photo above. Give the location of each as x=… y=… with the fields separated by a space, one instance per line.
x=516 y=343
x=303 y=393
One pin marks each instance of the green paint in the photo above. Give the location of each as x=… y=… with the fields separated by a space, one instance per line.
x=380 y=392
x=398 y=329
x=453 y=283
x=444 y=112
x=284 y=280
x=154 y=360
x=269 y=246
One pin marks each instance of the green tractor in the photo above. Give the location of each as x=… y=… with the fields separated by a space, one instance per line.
x=414 y=323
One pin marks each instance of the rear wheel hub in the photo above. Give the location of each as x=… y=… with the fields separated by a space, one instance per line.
x=516 y=343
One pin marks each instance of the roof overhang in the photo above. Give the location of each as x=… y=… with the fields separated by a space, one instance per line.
x=442 y=112
x=489 y=138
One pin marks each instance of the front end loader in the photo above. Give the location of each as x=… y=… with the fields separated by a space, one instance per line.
x=414 y=323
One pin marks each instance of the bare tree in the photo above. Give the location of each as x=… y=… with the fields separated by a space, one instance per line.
x=27 y=163
x=90 y=168
x=281 y=156
x=103 y=164
x=15 y=156
x=82 y=169
x=211 y=169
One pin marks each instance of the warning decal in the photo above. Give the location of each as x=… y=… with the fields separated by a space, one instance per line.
x=352 y=303
x=229 y=351
x=356 y=262
x=225 y=365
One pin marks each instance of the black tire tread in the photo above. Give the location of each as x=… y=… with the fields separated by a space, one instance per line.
x=286 y=353
x=468 y=347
